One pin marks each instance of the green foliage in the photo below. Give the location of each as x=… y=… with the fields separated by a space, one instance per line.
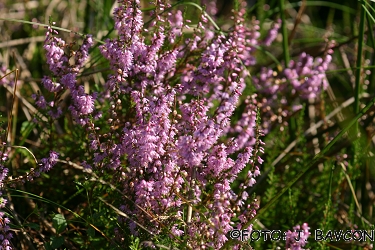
x=297 y=188
x=135 y=243
x=59 y=223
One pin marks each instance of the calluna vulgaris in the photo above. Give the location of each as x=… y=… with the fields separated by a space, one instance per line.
x=169 y=141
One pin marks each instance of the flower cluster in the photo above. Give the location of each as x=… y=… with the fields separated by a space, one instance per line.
x=280 y=93
x=65 y=69
x=272 y=33
x=181 y=109
x=297 y=239
x=46 y=164
x=5 y=234
x=307 y=76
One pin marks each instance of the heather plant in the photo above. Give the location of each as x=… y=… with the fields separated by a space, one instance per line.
x=180 y=129
x=173 y=149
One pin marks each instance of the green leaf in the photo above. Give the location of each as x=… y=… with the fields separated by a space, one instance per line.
x=91 y=232
x=135 y=243
x=32 y=226
x=26 y=128
x=57 y=242
x=47 y=246
x=59 y=223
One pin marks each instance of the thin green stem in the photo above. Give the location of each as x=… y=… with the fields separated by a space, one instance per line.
x=284 y=33
x=270 y=55
x=328 y=209
x=286 y=55
x=354 y=133
x=364 y=8
x=359 y=63
x=201 y=9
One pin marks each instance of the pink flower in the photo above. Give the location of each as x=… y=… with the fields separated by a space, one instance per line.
x=85 y=104
x=297 y=239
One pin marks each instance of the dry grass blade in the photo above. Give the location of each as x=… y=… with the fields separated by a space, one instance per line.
x=297 y=21
x=10 y=115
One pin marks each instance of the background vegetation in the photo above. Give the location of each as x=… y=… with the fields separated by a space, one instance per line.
x=67 y=208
